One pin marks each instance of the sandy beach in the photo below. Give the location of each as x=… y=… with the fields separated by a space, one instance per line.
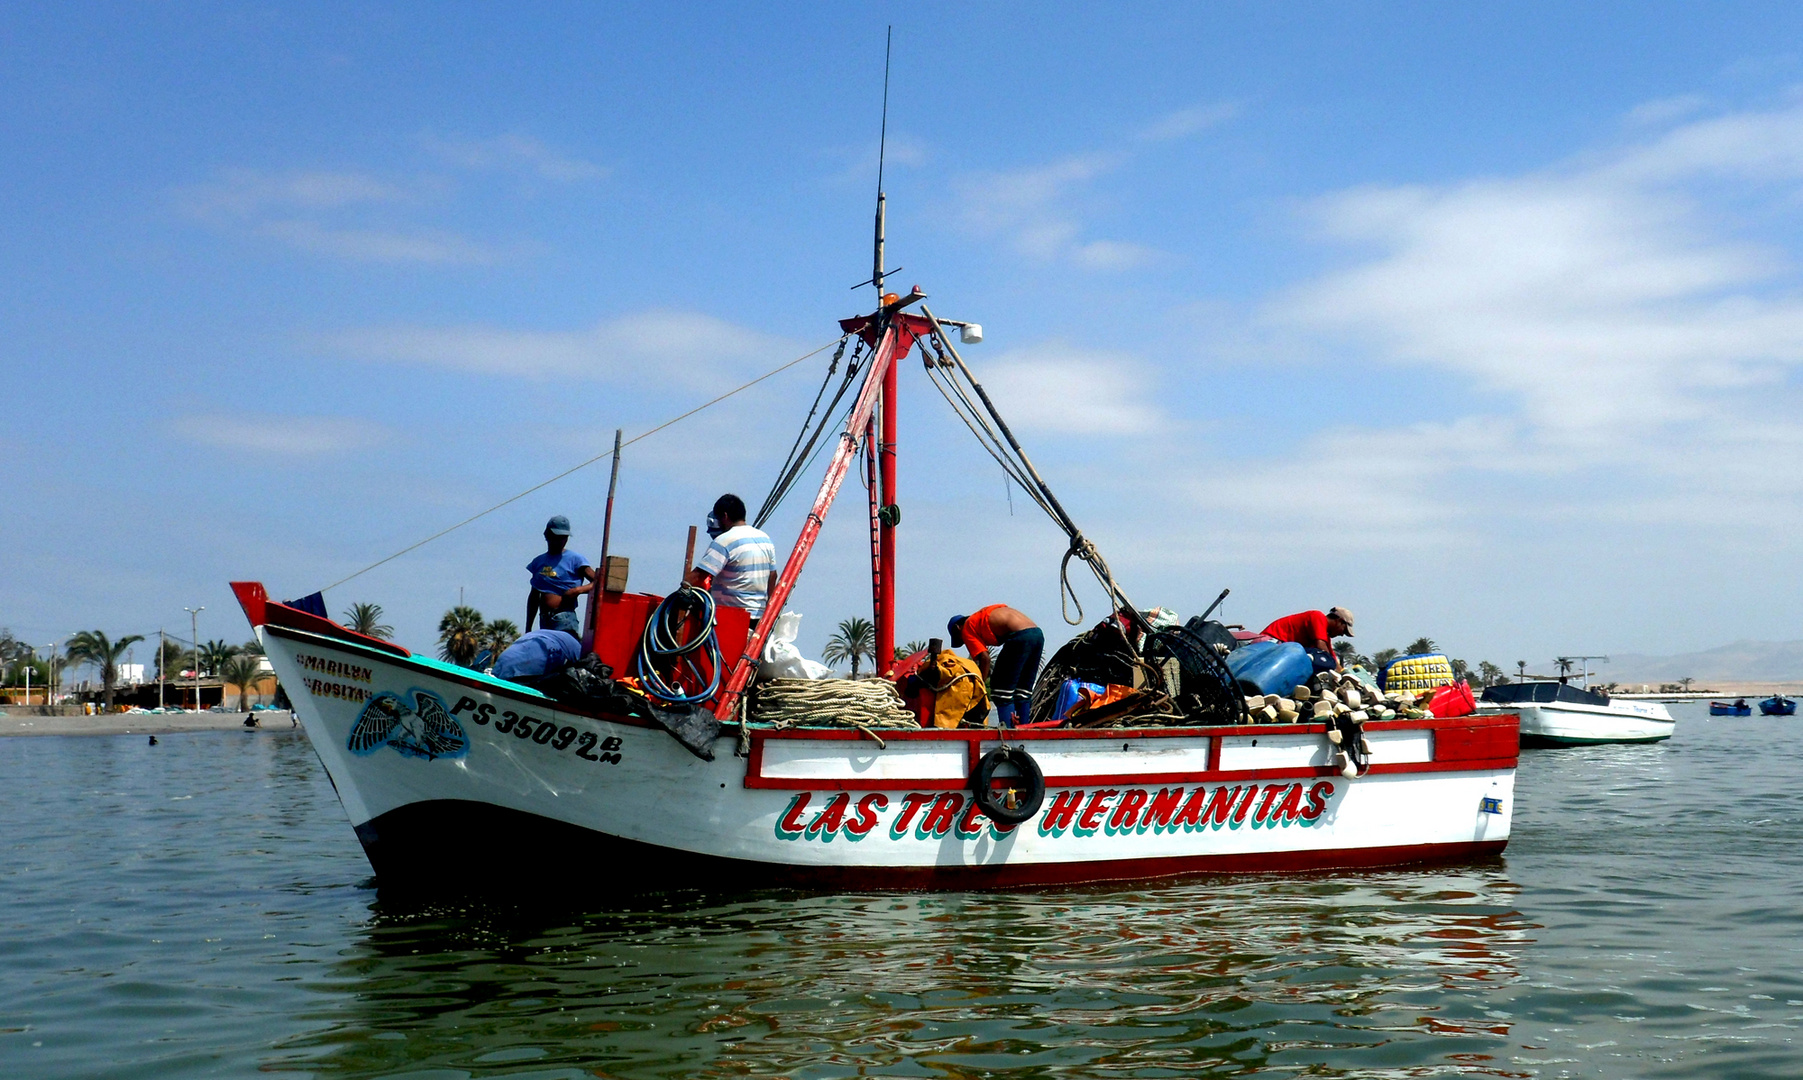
x=141 y=723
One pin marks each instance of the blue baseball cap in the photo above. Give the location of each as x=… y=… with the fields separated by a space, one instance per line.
x=558 y=526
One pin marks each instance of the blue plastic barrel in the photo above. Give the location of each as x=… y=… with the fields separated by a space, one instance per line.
x=1270 y=667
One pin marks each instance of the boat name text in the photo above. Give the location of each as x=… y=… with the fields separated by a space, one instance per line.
x=333 y=668
x=1076 y=811
x=322 y=688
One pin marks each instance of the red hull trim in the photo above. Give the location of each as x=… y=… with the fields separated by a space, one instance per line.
x=262 y=611
x=474 y=846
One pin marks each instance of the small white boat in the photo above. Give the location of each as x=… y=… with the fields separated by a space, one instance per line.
x=1559 y=714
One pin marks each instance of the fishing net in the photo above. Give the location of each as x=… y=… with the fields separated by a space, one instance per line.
x=1104 y=654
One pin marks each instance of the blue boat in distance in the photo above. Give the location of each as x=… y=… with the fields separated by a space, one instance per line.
x=1777 y=705
x=1737 y=707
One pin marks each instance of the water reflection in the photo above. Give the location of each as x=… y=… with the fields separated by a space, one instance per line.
x=1351 y=974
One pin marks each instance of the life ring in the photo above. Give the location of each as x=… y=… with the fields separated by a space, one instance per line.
x=1009 y=805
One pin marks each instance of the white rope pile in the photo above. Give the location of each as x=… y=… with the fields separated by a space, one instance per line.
x=865 y=704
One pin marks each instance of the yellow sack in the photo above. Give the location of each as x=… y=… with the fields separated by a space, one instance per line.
x=957 y=685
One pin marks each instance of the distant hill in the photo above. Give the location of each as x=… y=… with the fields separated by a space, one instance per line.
x=1743 y=661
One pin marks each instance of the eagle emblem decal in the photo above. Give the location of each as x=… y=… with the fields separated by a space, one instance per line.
x=424 y=730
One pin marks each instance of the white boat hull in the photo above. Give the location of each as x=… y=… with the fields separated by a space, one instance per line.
x=517 y=783
x=1567 y=723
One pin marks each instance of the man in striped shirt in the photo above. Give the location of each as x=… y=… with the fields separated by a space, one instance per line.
x=739 y=567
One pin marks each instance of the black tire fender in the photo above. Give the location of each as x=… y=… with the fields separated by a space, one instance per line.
x=1029 y=795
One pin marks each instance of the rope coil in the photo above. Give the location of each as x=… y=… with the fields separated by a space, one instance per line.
x=865 y=704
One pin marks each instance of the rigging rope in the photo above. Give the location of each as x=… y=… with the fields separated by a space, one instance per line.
x=801 y=458
x=577 y=468
x=1003 y=447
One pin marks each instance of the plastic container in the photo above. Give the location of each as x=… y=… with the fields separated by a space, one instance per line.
x=1067 y=697
x=1417 y=671
x=1270 y=667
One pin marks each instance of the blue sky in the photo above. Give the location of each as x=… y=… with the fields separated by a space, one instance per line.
x=1481 y=321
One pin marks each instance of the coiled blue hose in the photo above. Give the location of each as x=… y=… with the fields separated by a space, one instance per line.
x=661 y=644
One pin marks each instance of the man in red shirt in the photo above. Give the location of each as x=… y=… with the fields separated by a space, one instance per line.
x=1315 y=631
x=1021 y=641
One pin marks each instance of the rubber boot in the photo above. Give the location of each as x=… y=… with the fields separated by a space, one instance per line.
x=1004 y=713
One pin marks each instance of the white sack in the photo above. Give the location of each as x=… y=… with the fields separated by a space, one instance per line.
x=782 y=660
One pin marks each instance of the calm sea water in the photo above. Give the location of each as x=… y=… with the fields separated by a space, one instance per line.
x=200 y=908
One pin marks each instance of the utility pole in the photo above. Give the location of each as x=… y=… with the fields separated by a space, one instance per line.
x=34 y=656
x=162 y=662
x=194 y=630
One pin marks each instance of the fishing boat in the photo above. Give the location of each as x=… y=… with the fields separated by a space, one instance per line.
x=1777 y=705
x=1737 y=707
x=449 y=774
x=1555 y=713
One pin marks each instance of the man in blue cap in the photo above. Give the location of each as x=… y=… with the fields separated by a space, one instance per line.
x=559 y=577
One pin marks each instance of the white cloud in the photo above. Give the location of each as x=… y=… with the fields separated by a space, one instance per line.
x=1114 y=255
x=377 y=245
x=689 y=348
x=242 y=193
x=342 y=214
x=1035 y=209
x=1191 y=121
x=1600 y=299
x=513 y=151
x=293 y=436
x=1667 y=110
x=1072 y=391
x=859 y=163
x=1606 y=337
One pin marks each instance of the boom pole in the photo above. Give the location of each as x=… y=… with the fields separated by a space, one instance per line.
x=898 y=335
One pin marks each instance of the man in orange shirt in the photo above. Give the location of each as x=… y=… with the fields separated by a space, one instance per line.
x=1315 y=631
x=1022 y=642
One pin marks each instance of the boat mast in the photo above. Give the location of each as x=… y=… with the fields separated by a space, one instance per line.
x=888 y=515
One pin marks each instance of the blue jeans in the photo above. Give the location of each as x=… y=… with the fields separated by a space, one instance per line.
x=1011 y=681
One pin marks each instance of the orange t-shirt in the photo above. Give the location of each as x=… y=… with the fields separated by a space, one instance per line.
x=977 y=631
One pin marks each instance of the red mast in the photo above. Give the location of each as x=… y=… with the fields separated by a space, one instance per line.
x=890 y=516
x=892 y=334
x=888 y=513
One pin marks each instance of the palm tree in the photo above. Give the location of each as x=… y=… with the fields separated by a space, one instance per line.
x=367 y=619
x=11 y=648
x=460 y=635
x=243 y=670
x=902 y=652
x=170 y=658
x=855 y=640
x=94 y=647
x=1384 y=656
x=1349 y=654
x=497 y=636
x=40 y=672
x=213 y=655
x=1422 y=645
x=253 y=647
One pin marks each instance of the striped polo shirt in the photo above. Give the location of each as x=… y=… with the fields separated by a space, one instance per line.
x=740 y=561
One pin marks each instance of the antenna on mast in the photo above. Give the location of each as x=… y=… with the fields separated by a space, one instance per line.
x=882 y=152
